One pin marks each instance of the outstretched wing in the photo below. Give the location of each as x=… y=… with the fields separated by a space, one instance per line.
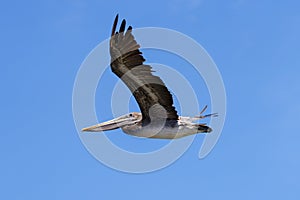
x=127 y=64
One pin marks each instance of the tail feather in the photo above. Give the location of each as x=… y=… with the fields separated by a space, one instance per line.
x=204 y=129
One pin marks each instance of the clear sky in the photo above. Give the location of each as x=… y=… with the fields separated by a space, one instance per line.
x=255 y=45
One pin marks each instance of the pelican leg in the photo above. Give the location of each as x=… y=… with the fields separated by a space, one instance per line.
x=209 y=115
x=205 y=116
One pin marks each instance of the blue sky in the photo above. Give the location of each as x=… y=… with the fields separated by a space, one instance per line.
x=255 y=44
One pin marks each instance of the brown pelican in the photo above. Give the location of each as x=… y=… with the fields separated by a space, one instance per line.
x=158 y=117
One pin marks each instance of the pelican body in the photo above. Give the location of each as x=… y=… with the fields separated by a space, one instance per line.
x=158 y=117
x=132 y=125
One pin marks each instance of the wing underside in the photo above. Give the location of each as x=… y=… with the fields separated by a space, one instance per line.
x=127 y=63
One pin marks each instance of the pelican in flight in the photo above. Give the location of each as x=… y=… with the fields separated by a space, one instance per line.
x=158 y=117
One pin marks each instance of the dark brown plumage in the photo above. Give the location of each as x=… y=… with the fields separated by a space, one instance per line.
x=127 y=63
x=151 y=94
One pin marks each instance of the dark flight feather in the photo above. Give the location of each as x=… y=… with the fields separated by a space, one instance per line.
x=127 y=64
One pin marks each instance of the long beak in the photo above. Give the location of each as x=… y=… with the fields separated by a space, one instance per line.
x=109 y=125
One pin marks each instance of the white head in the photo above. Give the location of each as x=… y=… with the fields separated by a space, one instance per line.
x=120 y=122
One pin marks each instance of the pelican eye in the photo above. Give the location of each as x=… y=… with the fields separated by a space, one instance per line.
x=130 y=115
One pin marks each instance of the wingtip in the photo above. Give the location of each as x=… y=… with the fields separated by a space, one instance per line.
x=122 y=27
x=117 y=17
x=115 y=25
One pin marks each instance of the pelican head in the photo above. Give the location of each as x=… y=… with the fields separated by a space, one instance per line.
x=120 y=122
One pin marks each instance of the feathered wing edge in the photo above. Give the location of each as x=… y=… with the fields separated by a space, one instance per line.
x=127 y=63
